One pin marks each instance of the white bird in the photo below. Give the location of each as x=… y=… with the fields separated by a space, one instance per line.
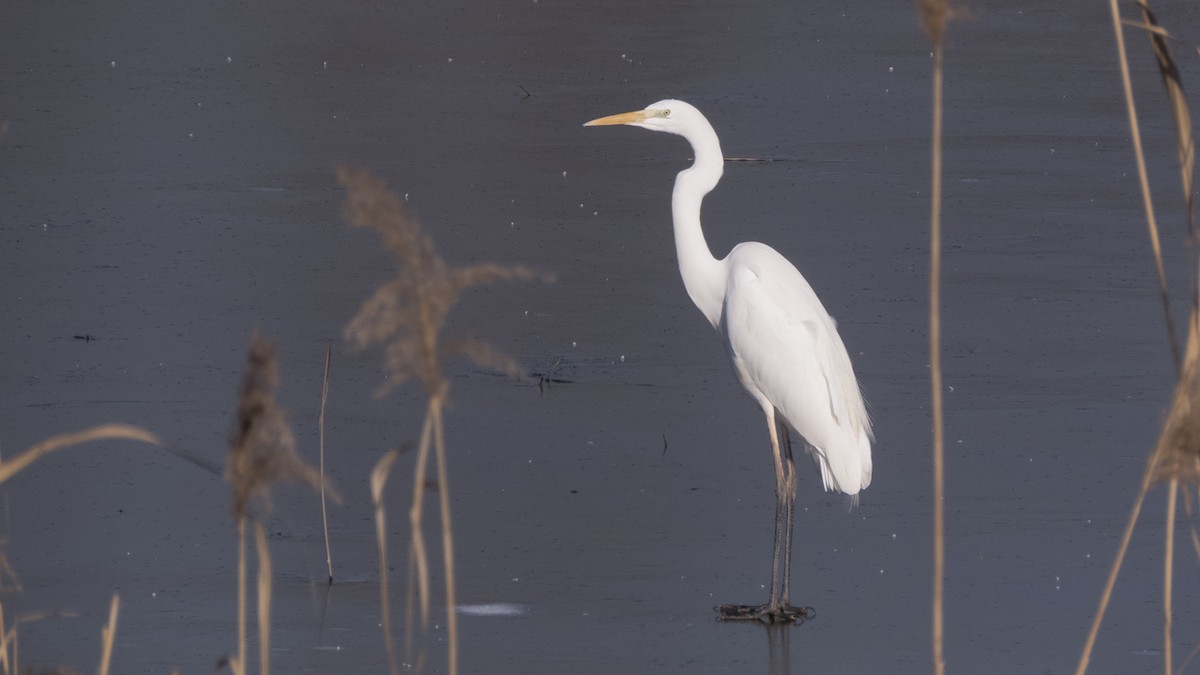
x=783 y=345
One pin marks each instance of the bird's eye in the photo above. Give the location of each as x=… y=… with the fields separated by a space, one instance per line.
x=666 y=112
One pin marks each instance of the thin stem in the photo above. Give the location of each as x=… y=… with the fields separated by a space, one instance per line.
x=264 y=598
x=935 y=370
x=447 y=535
x=241 y=609
x=5 y=664
x=379 y=476
x=1143 y=180
x=321 y=435
x=1168 y=573
x=1134 y=513
x=416 y=515
x=418 y=558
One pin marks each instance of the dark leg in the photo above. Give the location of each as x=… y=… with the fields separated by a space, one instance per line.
x=789 y=468
x=778 y=609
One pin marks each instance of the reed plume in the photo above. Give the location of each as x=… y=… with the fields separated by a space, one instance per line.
x=262 y=453
x=406 y=316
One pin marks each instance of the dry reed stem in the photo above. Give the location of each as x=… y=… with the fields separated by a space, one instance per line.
x=1177 y=458
x=418 y=556
x=108 y=635
x=7 y=662
x=1106 y=595
x=416 y=511
x=264 y=598
x=12 y=467
x=321 y=436
x=447 y=538
x=935 y=377
x=1168 y=573
x=1185 y=143
x=1143 y=180
x=1177 y=454
x=379 y=476
x=238 y=664
x=934 y=16
x=10 y=637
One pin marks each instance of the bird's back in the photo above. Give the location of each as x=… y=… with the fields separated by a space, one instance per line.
x=787 y=353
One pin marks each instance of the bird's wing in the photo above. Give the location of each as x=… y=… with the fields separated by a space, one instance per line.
x=787 y=351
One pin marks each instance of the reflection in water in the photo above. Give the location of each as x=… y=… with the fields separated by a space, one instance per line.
x=778 y=639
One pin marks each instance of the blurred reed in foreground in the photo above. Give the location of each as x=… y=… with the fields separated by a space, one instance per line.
x=262 y=452
x=406 y=316
x=1176 y=457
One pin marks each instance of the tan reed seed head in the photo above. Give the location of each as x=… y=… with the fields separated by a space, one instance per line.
x=406 y=314
x=1177 y=455
x=262 y=447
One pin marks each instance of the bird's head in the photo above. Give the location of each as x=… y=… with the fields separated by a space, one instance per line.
x=667 y=115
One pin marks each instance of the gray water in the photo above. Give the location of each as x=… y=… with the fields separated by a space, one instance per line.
x=168 y=190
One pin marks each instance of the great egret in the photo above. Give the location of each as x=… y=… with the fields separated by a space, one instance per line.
x=783 y=345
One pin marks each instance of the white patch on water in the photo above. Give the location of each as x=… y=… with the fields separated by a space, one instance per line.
x=494 y=609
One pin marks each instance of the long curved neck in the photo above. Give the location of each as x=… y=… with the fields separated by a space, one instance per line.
x=702 y=274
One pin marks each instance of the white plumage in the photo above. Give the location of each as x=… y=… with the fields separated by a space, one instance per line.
x=784 y=346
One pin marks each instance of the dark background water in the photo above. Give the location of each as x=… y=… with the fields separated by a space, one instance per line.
x=168 y=189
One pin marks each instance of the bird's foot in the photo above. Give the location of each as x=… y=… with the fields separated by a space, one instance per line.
x=765 y=613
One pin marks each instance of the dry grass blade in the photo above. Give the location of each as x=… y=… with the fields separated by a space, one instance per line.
x=1143 y=180
x=418 y=555
x=109 y=635
x=1185 y=143
x=321 y=435
x=1114 y=571
x=379 y=476
x=12 y=467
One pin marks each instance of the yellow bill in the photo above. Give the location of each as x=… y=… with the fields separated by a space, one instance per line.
x=623 y=118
